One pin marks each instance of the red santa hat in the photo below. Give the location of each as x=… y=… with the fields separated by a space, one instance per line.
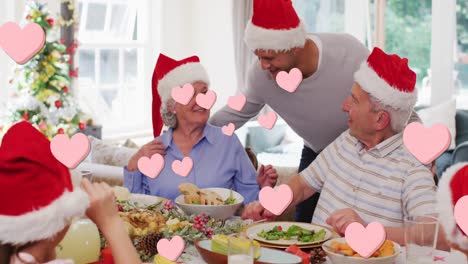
x=274 y=26
x=36 y=191
x=389 y=79
x=452 y=186
x=169 y=73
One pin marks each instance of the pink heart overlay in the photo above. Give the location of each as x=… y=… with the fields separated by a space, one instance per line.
x=426 y=144
x=184 y=94
x=151 y=167
x=460 y=212
x=276 y=200
x=268 y=120
x=171 y=249
x=229 y=129
x=289 y=81
x=21 y=44
x=206 y=100
x=237 y=102
x=183 y=167
x=365 y=241
x=70 y=152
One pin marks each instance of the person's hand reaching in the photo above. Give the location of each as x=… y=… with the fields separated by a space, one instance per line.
x=103 y=209
x=256 y=211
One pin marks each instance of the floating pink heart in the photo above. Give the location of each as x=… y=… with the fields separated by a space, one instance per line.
x=460 y=213
x=184 y=94
x=426 y=144
x=276 y=200
x=183 y=167
x=206 y=100
x=70 y=152
x=151 y=167
x=229 y=129
x=291 y=81
x=365 y=241
x=21 y=45
x=237 y=102
x=268 y=120
x=171 y=249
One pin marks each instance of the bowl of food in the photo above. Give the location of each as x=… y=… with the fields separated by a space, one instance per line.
x=216 y=251
x=338 y=251
x=219 y=203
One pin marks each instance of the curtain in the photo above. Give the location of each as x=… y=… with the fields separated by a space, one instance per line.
x=442 y=50
x=242 y=12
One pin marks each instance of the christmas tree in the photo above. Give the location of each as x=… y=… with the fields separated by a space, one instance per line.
x=42 y=86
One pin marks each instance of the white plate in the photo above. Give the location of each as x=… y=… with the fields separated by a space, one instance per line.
x=254 y=230
x=144 y=200
x=266 y=255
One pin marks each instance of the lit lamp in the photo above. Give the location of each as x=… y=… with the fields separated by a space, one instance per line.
x=81 y=243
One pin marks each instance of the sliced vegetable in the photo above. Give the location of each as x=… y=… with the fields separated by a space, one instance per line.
x=303 y=235
x=293 y=249
x=230 y=199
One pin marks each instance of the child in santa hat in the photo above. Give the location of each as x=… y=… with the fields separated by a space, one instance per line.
x=38 y=203
x=452 y=187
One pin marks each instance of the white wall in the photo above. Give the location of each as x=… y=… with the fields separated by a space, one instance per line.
x=202 y=28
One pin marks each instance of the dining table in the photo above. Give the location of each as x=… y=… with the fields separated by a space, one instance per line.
x=191 y=256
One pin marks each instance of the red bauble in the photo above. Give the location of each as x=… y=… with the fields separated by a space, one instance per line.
x=65 y=89
x=74 y=73
x=28 y=17
x=61 y=131
x=50 y=21
x=82 y=125
x=25 y=116
x=58 y=103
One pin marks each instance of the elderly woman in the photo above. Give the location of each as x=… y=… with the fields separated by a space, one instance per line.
x=218 y=160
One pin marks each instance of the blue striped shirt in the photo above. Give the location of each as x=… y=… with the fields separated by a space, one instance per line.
x=385 y=183
x=218 y=161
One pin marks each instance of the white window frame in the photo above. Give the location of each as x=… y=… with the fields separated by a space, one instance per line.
x=147 y=44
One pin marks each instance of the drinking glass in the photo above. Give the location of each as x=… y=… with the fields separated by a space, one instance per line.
x=421 y=234
x=240 y=250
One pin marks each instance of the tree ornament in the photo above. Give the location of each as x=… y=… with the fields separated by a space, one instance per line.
x=58 y=103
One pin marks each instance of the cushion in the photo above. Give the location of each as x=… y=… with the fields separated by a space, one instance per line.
x=462 y=126
x=261 y=139
x=108 y=154
x=442 y=113
x=130 y=144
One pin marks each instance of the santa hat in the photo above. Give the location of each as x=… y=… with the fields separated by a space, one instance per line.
x=452 y=186
x=36 y=192
x=389 y=79
x=274 y=26
x=169 y=73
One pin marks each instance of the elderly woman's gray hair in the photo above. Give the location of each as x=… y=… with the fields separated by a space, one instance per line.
x=169 y=118
x=398 y=117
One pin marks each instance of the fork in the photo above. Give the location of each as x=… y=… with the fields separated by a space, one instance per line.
x=334 y=250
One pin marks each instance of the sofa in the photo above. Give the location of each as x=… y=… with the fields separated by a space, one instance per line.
x=106 y=159
x=460 y=152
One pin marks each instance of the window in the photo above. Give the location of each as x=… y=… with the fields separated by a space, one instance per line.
x=113 y=84
x=350 y=16
x=408 y=34
x=322 y=16
x=461 y=55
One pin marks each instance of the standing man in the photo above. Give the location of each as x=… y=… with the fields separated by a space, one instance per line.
x=327 y=62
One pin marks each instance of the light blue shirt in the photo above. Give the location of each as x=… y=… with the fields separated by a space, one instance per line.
x=218 y=161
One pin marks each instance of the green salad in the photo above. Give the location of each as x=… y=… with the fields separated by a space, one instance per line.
x=302 y=235
x=230 y=199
